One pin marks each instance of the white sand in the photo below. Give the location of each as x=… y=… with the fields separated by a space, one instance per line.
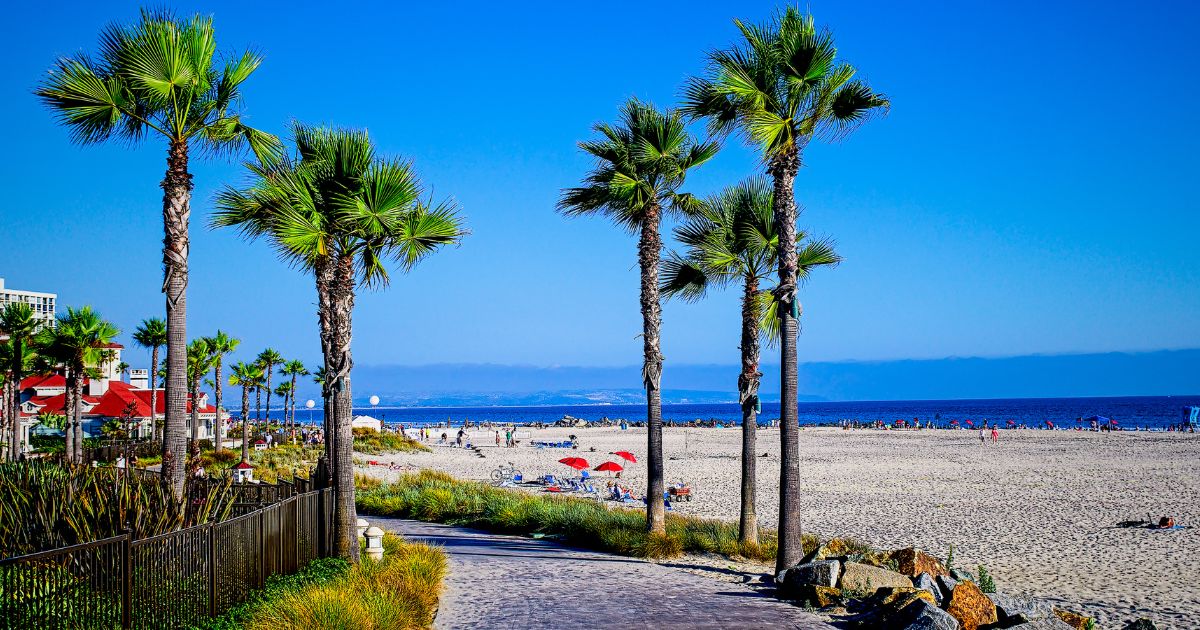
x=1039 y=509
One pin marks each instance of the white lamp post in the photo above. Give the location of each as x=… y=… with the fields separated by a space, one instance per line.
x=362 y=526
x=309 y=404
x=374 y=543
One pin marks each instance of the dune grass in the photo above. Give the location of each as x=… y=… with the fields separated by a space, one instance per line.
x=401 y=591
x=438 y=497
x=373 y=442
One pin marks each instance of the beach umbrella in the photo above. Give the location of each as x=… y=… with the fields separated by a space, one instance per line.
x=626 y=455
x=578 y=463
x=609 y=467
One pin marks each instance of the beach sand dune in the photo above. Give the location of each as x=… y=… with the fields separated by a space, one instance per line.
x=1039 y=509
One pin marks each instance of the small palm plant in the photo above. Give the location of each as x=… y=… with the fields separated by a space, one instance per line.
x=152 y=335
x=341 y=213
x=641 y=163
x=778 y=89
x=730 y=240
x=161 y=77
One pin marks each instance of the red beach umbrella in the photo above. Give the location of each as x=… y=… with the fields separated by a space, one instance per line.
x=609 y=467
x=626 y=455
x=578 y=463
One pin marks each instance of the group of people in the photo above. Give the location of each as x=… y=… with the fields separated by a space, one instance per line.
x=509 y=438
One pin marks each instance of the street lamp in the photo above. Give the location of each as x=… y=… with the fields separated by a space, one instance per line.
x=309 y=404
x=374 y=400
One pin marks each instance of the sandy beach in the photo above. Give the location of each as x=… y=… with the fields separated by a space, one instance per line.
x=1039 y=508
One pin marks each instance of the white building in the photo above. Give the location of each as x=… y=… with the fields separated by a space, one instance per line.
x=41 y=303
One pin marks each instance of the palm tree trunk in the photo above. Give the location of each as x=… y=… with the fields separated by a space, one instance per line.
x=193 y=395
x=345 y=516
x=155 y=429
x=77 y=414
x=218 y=423
x=267 y=372
x=14 y=407
x=294 y=408
x=649 y=249
x=68 y=428
x=748 y=397
x=257 y=404
x=791 y=549
x=245 y=423
x=177 y=196
x=323 y=272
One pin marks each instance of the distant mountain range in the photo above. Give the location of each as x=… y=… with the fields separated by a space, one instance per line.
x=1165 y=372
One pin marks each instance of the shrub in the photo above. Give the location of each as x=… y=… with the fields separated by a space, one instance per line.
x=986 y=584
x=438 y=497
x=373 y=442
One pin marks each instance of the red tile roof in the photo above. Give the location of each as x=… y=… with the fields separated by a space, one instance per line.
x=119 y=395
x=43 y=380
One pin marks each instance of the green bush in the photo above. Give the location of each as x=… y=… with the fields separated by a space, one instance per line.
x=373 y=442
x=986 y=584
x=319 y=571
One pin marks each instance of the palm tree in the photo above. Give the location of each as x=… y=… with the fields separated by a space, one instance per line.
x=152 y=334
x=77 y=342
x=17 y=321
x=268 y=359
x=284 y=389
x=340 y=213
x=200 y=359
x=22 y=358
x=294 y=369
x=161 y=77
x=778 y=89
x=640 y=164
x=220 y=345
x=246 y=375
x=733 y=239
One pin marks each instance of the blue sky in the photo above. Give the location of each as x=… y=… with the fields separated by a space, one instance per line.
x=1030 y=191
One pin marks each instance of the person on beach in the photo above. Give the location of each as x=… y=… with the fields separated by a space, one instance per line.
x=995 y=435
x=982 y=437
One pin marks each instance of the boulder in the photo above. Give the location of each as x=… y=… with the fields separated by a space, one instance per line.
x=1014 y=609
x=970 y=606
x=947 y=583
x=921 y=615
x=833 y=548
x=864 y=577
x=926 y=583
x=823 y=573
x=817 y=596
x=913 y=562
x=960 y=575
x=1073 y=619
x=898 y=597
x=873 y=558
x=1140 y=624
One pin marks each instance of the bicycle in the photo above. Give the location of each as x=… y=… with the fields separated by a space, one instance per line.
x=505 y=474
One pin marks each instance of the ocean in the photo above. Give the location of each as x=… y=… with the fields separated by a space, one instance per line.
x=1133 y=412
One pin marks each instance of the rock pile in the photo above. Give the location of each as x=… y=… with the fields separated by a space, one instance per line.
x=911 y=590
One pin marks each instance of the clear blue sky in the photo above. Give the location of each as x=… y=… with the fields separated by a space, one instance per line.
x=1028 y=193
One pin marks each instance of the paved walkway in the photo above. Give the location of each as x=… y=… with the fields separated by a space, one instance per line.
x=497 y=581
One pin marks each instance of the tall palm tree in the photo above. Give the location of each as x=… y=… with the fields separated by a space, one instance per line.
x=341 y=213
x=733 y=239
x=640 y=164
x=152 y=335
x=284 y=389
x=220 y=345
x=294 y=369
x=161 y=77
x=22 y=358
x=17 y=321
x=246 y=375
x=77 y=342
x=199 y=360
x=779 y=88
x=268 y=359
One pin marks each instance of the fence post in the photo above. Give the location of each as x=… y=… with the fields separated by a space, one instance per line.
x=212 y=570
x=262 y=548
x=321 y=523
x=126 y=582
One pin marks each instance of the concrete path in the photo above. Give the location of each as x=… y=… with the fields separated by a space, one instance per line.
x=497 y=581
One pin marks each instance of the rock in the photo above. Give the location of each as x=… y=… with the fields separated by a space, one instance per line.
x=818 y=596
x=961 y=575
x=864 y=577
x=970 y=606
x=873 y=558
x=833 y=548
x=947 y=583
x=1014 y=609
x=913 y=562
x=898 y=597
x=921 y=615
x=925 y=582
x=1073 y=619
x=1140 y=624
x=823 y=573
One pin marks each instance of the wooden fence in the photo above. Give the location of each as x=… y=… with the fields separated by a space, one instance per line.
x=170 y=581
